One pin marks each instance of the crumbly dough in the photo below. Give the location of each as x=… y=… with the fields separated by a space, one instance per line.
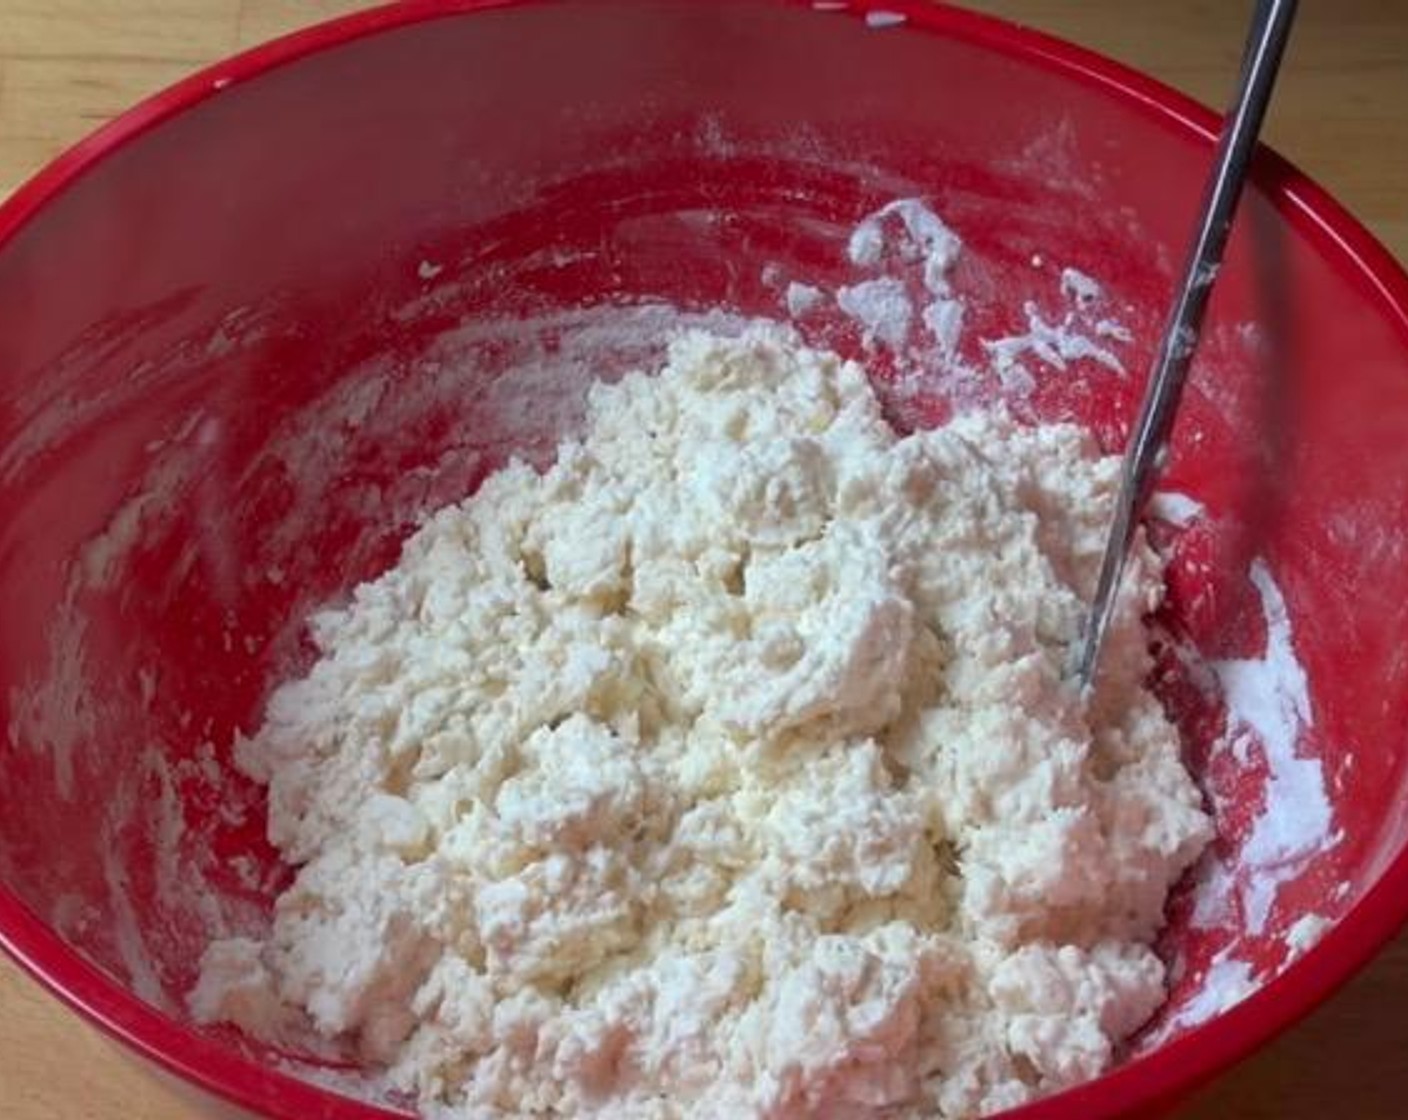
x=729 y=768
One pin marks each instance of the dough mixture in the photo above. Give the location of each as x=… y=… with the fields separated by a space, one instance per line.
x=728 y=768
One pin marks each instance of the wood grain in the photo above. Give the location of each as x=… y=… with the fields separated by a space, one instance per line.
x=1341 y=113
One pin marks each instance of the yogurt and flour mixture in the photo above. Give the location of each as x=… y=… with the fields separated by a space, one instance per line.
x=729 y=769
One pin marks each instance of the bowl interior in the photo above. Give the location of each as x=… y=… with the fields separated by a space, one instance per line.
x=246 y=351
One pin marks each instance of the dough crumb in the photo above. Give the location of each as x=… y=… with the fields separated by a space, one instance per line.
x=728 y=767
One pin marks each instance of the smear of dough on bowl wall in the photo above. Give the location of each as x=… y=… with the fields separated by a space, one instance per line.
x=721 y=752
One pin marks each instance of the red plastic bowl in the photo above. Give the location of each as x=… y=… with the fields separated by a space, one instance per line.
x=252 y=329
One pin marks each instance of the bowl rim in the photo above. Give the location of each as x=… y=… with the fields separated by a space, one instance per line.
x=1173 y=1069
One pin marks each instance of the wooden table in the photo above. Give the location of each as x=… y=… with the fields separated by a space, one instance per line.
x=1341 y=112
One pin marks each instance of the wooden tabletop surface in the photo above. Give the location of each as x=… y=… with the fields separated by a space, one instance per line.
x=1341 y=112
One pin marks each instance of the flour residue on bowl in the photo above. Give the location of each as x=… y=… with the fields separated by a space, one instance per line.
x=1268 y=710
x=1175 y=508
x=1225 y=983
x=1237 y=886
x=1058 y=343
x=906 y=304
x=878 y=19
x=898 y=238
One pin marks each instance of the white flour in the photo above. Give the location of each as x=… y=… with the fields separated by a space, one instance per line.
x=879 y=19
x=1267 y=697
x=802 y=299
x=1056 y=343
x=1305 y=933
x=728 y=768
x=1226 y=983
x=1174 y=508
x=900 y=237
x=925 y=238
x=1268 y=711
x=907 y=304
x=881 y=307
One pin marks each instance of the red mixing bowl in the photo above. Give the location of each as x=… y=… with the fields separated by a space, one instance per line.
x=253 y=329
